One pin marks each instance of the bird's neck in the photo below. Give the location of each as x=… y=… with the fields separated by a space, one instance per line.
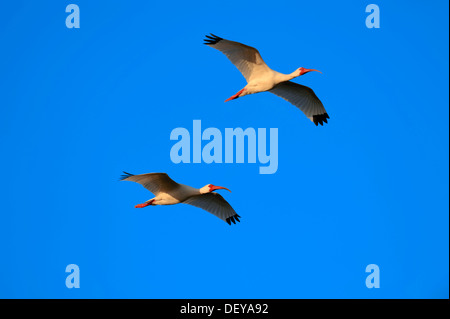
x=287 y=77
x=203 y=190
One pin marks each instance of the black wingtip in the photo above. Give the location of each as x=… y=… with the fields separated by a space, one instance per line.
x=211 y=40
x=320 y=119
x=125 y=175
x=234 y=219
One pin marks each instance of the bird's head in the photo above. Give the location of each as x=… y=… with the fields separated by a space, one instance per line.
x=210 y=188
x=302 y=71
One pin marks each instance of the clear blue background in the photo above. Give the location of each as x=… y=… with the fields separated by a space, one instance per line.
x=78 y=106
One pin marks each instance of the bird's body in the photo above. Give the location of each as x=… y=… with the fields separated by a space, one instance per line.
x=261 y=78
x=266 y=82
x=169 y=192
x=176 y=196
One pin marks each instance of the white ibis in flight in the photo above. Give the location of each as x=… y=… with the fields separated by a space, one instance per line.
x=169 y=192
x=261 y=78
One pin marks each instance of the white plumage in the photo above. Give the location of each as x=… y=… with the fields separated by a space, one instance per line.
x=169 y=192
x=261 y=78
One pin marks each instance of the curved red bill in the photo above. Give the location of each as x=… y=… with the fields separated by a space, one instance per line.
x=213 y=188
x=309 y=70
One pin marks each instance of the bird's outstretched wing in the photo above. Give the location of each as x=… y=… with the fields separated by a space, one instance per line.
x=247 y=59
x=304 y=98
x=215 y=204
x=154 y=182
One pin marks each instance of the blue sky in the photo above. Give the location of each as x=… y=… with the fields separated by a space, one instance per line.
x=81 y=105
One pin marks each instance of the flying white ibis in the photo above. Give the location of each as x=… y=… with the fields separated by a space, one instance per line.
x=261 y=78
x=169 y=192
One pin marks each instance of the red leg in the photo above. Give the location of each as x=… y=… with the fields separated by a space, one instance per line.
x=149 y=203
x=235 y=96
